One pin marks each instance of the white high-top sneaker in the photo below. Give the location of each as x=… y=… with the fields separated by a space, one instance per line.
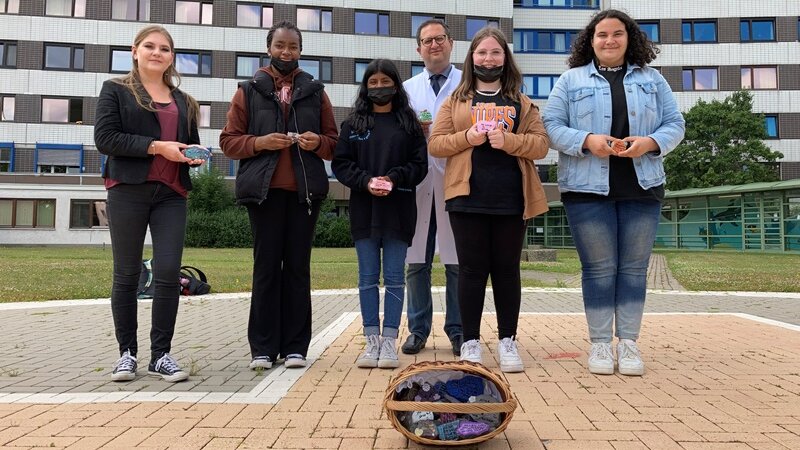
x=369 y=358
x=601 y=359
x=471 y=351
x=510 y=360
x=629 y=358
x=388 y=356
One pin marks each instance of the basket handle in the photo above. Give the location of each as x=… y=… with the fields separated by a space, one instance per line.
x=465 y=408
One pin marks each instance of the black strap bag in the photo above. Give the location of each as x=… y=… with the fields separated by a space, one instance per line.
x=193 y=281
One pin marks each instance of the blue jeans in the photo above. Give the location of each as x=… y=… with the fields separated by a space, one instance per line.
x=369 y=271
x=131 y=209
x=420 y=300
x=614 y=240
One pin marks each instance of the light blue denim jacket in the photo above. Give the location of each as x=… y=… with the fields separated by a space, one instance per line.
x=580 y=104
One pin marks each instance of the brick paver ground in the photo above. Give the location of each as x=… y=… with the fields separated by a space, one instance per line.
x=714 y=381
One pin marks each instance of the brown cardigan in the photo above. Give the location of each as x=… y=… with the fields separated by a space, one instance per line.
x=448 y=139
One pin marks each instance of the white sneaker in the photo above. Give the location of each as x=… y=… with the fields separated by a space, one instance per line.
x=369 y=358
x=471 y=351
x=509 y=356
x=388 y=356
x=629 y=358
x=294 y=360
x=601 y=360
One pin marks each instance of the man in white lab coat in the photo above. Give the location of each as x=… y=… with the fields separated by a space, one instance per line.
x=427 y=91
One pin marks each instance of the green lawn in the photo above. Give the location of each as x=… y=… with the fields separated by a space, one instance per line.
x=49 y=273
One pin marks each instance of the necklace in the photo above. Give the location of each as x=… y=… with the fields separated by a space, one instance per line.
x=489 y=93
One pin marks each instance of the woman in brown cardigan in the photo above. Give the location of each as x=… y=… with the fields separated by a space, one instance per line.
x=490 y=133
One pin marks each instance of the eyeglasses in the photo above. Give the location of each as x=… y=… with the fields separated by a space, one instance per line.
x=483 y=54
x=438 y=39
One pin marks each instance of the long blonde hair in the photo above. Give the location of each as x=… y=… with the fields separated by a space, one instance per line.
x=510 y=81
x=133 y=80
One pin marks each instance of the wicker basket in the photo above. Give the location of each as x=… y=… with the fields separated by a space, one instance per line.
x=393 y=406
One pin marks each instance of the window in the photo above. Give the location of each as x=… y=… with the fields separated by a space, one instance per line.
x=372 y=23
x=63 y=57
x=320 y=69
x=121 y=60
x=759 y=78
x=361 y=67
x=417 y=69
x=194 y=12
x=771 y=125
x=138 y=10
x=538 y=41
x=314 y=19
x=6 y=157
x=589 y=4
x=700 y=79
x=68 y=8
x=473 y=25
x=87 y=214
x=193 y=63
x=8 y=54
x=538 y=86
x=255 y=16
x=248 y=65
x=699 y=31
x=651 y=30
x=62 y=110
x=205 y=116
x=7 y=107
x=58 y=158
x=757 y=30
x=417 y=20
x=9 y=6
x=27 y=213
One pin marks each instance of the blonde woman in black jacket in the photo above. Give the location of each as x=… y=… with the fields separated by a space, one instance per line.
x=144 y=123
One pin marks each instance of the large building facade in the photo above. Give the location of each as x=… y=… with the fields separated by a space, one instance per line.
x=55 y=55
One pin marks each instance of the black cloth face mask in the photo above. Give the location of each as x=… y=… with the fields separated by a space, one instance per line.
x=487 y=75
x=282 y=66
x=381 y=96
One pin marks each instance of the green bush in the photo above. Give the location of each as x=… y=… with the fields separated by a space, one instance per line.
x=228 y=228
x=332 y=230
x=210 y=193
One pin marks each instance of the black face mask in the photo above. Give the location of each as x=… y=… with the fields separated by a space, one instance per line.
x=282 y=66
x=487 y=75
x=381 y=96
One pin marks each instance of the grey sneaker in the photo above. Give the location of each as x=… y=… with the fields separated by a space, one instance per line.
x=601 y=360
x=471 y=351
x=294 y=360
x=168 y=369
x=124 y=368
x=629 y=358
x=369 y=358
x=387 y=359
x=510 y=360
x=261 y=362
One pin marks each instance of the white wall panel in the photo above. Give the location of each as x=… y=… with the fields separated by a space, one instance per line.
x=548 y=18
x=688 y=9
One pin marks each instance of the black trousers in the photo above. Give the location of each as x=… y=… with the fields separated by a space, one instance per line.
x=280 y=308
x=131 y=209
x=488 y=245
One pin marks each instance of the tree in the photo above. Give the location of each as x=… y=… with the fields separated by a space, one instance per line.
x=723 y=145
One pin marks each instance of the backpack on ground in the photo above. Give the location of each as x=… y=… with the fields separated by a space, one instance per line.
x=192 y=281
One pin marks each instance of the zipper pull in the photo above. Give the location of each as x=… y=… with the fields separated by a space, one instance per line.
x=308 y=200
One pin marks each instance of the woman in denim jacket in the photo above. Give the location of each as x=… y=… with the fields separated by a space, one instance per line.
x=613 y=119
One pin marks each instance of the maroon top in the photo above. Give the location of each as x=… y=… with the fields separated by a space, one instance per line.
x=162 y=169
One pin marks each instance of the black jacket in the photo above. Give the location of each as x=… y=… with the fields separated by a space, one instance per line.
x=384 y=150
x=123 y=130
x=265 y=116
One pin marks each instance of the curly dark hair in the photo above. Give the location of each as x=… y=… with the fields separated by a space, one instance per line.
x=641 y=50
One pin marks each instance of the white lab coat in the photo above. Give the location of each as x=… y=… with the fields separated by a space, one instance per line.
x=421 y=95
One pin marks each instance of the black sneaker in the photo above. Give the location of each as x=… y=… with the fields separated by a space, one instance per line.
x=168 y=369
x=124 y=368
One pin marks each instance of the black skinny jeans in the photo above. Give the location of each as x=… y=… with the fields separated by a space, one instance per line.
x=488 y=245
x=131 y=208
x=280 y=306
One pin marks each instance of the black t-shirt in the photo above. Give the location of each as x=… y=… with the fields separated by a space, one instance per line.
x=622 y=180
x=495 y=185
